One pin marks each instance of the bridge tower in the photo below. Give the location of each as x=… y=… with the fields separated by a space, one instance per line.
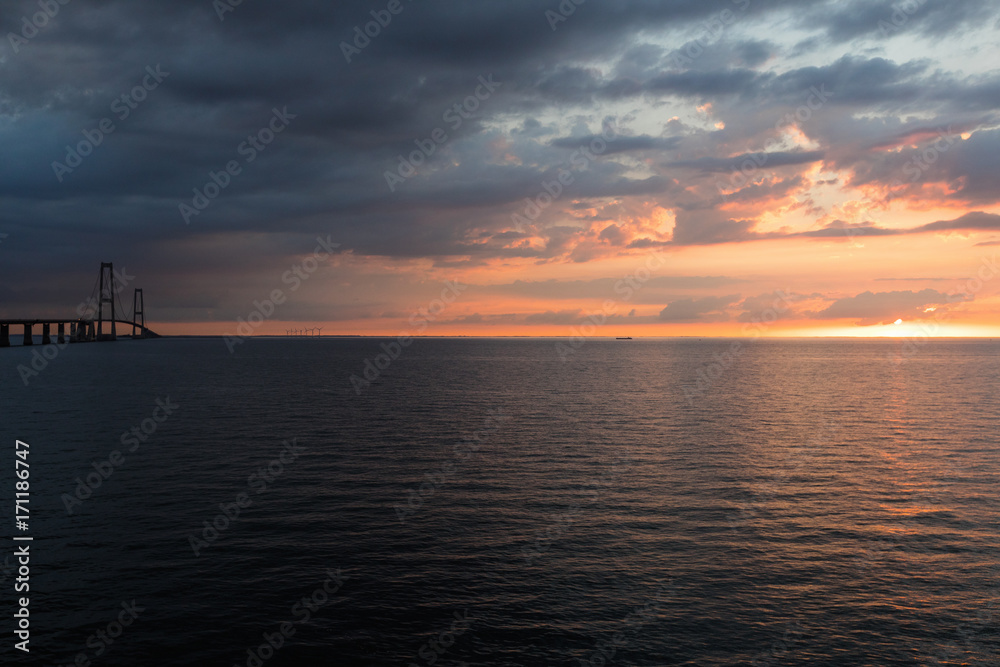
x=138 y=313
x=106 y=295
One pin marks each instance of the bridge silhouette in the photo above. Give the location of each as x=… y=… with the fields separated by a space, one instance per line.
x=85 y=329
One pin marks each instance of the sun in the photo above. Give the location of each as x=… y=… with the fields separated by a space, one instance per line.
x=898 y=322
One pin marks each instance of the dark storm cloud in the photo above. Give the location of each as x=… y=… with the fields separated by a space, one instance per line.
x=354 y=121
x=849 y=80
x=844 y=21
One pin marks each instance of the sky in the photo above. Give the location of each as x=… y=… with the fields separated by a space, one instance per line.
x=408 y=167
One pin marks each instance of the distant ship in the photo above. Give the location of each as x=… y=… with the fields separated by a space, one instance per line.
x=624 y=338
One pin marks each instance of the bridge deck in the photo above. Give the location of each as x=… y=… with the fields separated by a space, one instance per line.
x=70 y=320
x=81 y=330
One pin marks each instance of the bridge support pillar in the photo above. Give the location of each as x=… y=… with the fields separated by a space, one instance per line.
x=4 y=335
x=106 y=294
x=46 y=334
x=27 y=335
x=62 y=334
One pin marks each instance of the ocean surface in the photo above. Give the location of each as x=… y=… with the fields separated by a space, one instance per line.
x=507 y=502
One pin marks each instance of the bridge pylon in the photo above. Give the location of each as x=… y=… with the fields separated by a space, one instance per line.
x=138 y=313
x=106 y=295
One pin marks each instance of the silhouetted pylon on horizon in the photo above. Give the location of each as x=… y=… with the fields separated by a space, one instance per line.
x=138 y=308
x=106 y=295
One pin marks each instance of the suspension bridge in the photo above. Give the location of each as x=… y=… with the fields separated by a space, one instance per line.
x=85 y=328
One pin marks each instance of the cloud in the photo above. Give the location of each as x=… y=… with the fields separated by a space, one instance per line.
x=604 y=288
x=706 y=309
x=886 y=307
x=709 y=227
x=770 y=307
x=680 y=127
x=613 y=234
x=976 y=220
x=620 y=144
x=571 y=316
x=845 y=21
x=754 y=160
